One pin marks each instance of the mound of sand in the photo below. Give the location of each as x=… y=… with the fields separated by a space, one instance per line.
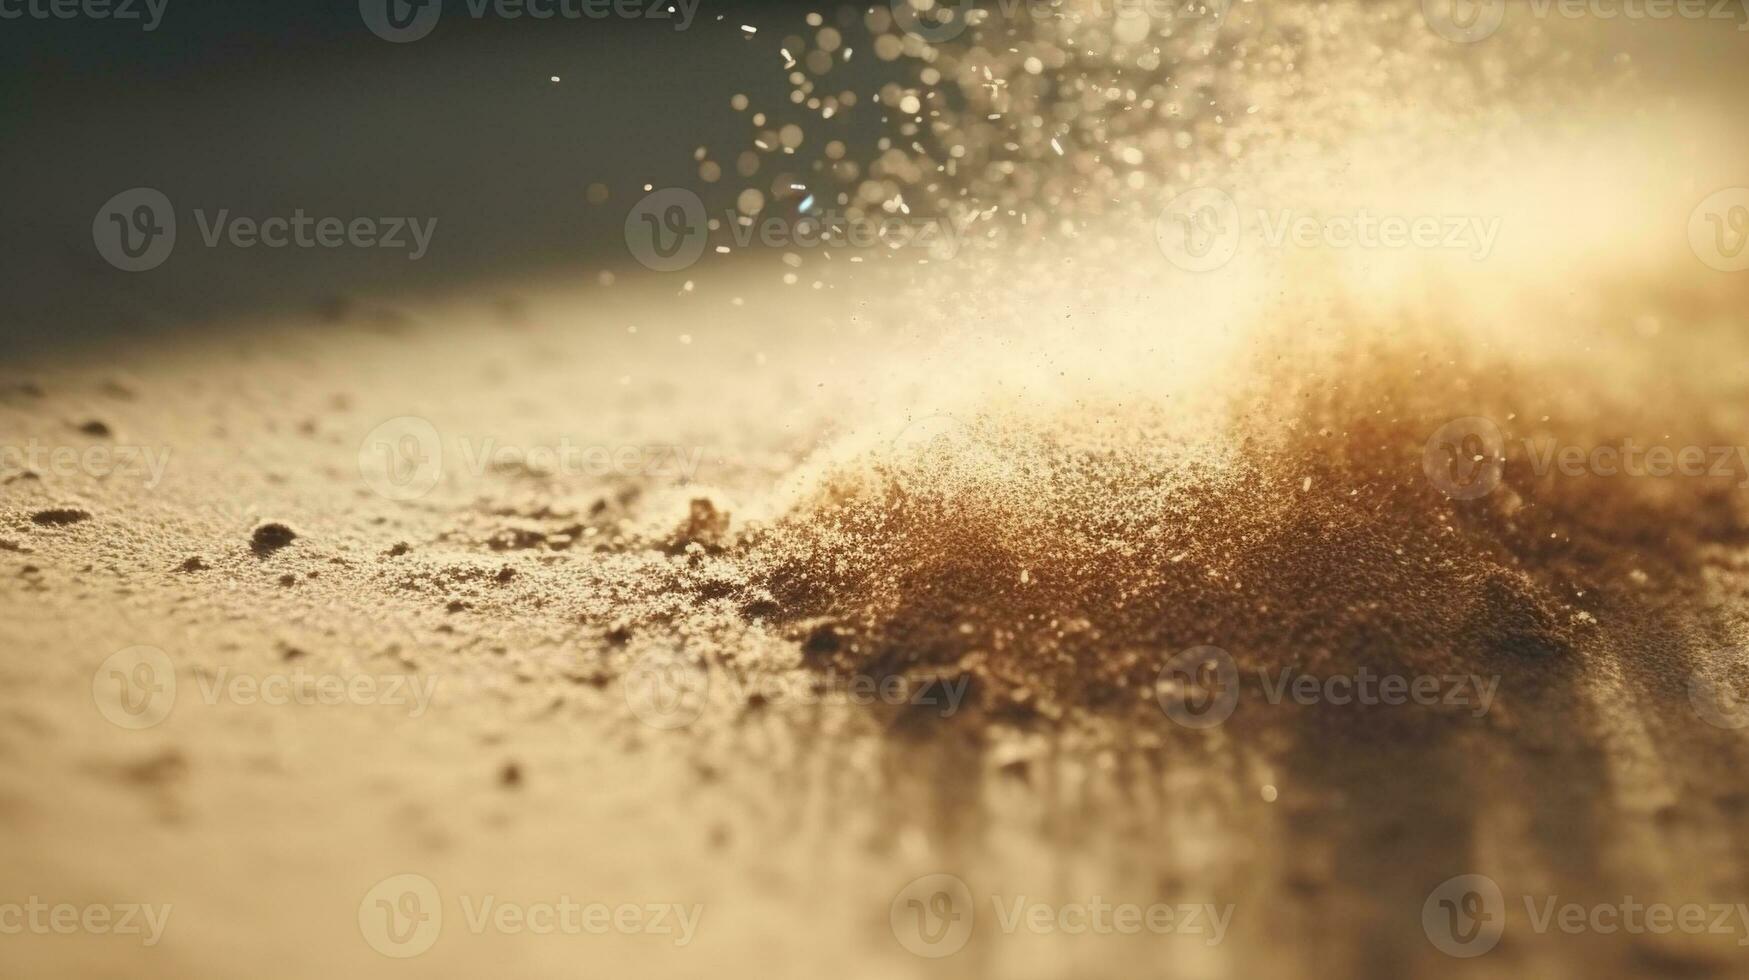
x=1061 y=568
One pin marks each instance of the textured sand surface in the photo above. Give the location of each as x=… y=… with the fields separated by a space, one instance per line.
x=595 y=577
x=524 y=599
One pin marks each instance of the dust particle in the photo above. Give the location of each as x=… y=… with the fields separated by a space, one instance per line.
x=270 y=537
x=59 y=516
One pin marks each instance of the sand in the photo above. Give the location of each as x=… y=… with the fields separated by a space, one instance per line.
x=755 y=601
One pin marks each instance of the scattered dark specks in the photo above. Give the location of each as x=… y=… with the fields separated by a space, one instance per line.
x=194 y=564
x=97 y=428
x=270 y=537
x=510 y=776
x=505 y=574
x=58 y=516
x=398 y=550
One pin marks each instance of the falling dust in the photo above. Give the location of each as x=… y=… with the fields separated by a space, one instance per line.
x=1114 y=460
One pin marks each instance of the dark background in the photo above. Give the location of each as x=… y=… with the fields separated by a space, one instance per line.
x=266 y=107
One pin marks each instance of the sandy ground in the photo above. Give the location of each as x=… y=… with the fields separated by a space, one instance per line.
x=610 y=685
x=530 y=777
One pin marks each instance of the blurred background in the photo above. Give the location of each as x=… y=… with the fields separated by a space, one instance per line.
x=263 y=108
